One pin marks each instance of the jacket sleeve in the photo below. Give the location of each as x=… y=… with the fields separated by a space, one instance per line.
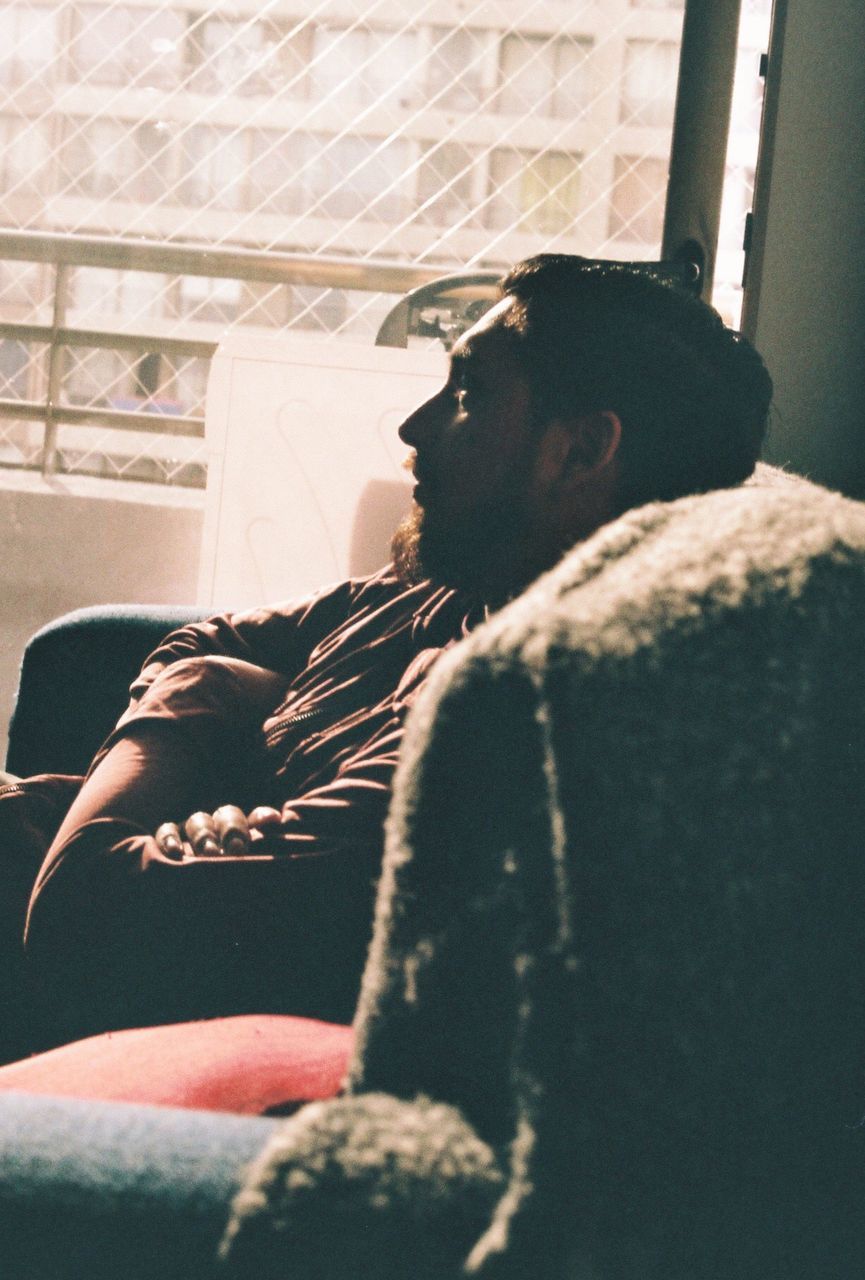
x=277 y=639
x=120 y=935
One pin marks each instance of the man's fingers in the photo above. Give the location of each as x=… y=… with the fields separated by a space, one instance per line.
x=200 y=831
x=262 y=818
x=227 y=832
x=170 y=841
x=232 y=830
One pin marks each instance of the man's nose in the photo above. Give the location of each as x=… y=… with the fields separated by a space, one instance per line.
x=422 y=423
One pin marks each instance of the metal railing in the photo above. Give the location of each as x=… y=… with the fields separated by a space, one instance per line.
x=65 y=252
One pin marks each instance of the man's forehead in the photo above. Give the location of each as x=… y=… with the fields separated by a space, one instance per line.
x=485 y=337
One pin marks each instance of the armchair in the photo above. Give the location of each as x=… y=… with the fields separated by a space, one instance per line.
x=617 y=944
x=74 y=682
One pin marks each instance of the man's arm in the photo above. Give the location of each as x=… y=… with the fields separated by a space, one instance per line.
x=277 y=639
x=120 y=934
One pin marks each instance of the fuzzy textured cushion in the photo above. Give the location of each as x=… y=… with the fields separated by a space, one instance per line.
x=364 y=1187
x=623 y=898
x=248 y=1064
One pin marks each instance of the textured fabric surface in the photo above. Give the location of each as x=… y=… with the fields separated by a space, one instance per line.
x=100 y=1191
x=369 y=1187
x=619 y=926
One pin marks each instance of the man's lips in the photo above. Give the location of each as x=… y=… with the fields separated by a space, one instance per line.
x=423 y=489
x=421 y=477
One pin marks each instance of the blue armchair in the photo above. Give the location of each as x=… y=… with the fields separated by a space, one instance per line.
x=99 y=1191
x=74 y=682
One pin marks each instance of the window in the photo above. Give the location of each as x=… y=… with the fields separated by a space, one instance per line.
x=738 y=192
x=266 y=304
x=28 y=43
x=247 y=57
x=14 y=369
x=213 y=164
x=23 y=156
x=457 y=68
x=543 y=75
x=649 y=84
x=92 y=159
x=102 y=291
x=189 y=384
x=278 y=174
x=358 y=66
x=202 y=298
x=359 y=177
x=533 y=192
x=747 y=93
x=323 y=310
x=128 y=46
x=108 y=159
x=95 y=377
x=446 y=185
x=638 y=197
x=22 y=284
x=152 y=145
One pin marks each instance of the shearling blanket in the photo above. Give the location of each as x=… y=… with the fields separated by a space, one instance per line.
x=619 y=933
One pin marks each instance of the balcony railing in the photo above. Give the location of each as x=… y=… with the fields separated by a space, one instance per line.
x=149 y=412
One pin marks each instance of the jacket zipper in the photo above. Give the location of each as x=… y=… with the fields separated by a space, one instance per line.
x=277 y=732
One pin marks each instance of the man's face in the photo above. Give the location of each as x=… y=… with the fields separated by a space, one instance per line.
x=474 y=454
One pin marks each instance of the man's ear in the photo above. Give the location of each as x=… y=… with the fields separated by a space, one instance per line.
x=595 y=439
x=577 y=449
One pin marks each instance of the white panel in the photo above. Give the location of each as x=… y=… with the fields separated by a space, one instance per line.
x=305 y=479
x=805 y=294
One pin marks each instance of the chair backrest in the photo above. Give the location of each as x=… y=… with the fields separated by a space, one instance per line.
x=305 y=480
x=441 y=310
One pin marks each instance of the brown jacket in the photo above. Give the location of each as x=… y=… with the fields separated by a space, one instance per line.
x=119 y=935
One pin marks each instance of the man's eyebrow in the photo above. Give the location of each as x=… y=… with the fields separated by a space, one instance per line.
x=460 y=358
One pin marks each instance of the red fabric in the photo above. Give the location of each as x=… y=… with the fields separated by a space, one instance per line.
x=246 y=1064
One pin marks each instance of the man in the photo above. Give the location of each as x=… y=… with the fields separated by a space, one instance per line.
x=587 y=390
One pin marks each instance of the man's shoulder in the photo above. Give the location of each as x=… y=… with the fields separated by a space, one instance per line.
x=339 y=595
x=337 y=603
x=341 y=601
x=368 y=590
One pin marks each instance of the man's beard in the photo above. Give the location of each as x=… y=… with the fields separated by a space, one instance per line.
x=481 y=553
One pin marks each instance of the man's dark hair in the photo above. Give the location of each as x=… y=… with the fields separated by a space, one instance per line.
x=692 y=395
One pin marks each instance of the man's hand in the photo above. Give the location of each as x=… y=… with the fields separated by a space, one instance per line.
x=227 y=832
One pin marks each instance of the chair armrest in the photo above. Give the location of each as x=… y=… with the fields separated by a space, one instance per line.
x=74 y=682
x=141 y=1192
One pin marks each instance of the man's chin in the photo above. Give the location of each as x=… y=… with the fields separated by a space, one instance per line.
x=461 y=558
x=405 y=548
x=423 y=553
